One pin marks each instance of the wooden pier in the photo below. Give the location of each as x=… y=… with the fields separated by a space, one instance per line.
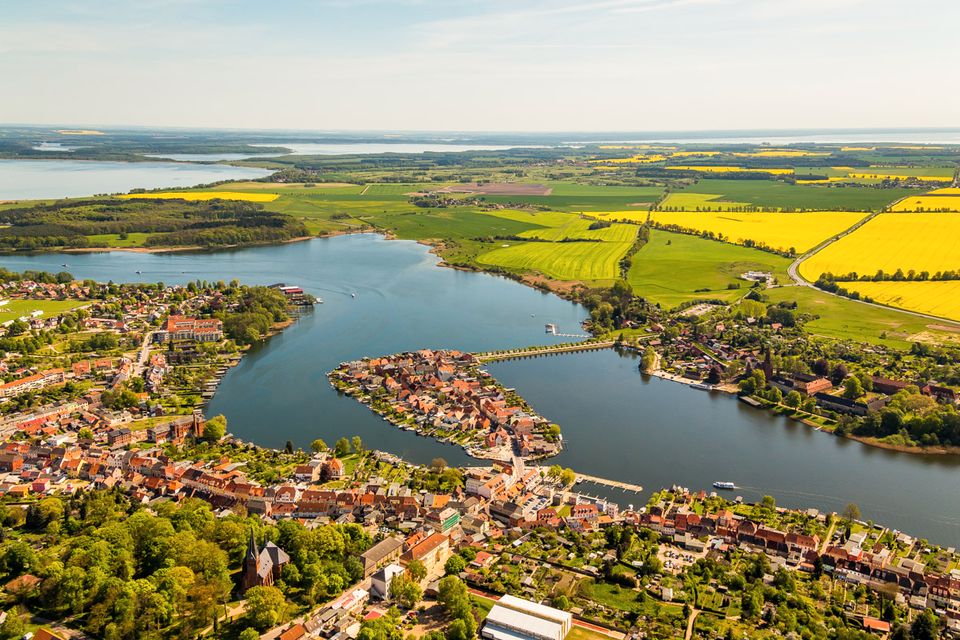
x=546 y=350
x=614 y=484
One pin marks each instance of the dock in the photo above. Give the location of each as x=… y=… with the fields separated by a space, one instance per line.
x=546 y=350
x=614 y=484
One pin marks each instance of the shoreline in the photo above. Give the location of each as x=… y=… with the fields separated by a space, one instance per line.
x=540 y=283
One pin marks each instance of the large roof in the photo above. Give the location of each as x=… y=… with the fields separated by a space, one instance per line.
x=510 y=623
x=539 y=610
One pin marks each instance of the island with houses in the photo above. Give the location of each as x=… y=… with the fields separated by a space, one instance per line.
x=446 y=394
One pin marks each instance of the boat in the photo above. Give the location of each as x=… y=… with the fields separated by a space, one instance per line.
x=139 y=272
x=64 y=264
x=701 y=386
x=725 y=485
x=318 y=301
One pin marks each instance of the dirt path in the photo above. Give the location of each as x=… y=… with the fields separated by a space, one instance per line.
x=693 y=618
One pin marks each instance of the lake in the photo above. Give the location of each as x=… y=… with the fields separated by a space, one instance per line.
x=616 y=422
x=32 y=179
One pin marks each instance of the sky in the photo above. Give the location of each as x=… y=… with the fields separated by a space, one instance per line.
x=481 y=65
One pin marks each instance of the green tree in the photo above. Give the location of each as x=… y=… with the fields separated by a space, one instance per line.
x=793 y=399
x=249 y=634
x=215 y=428
x=455 y=565
x=925 y=626
x=265 y=607
x=318 y=445
x=852 y=388
x=405 y=592
x=417 y=570
x=453 y=597
x=568 y=477
x=851 y=512
x=464 y=628
x=341 y=448
x=356 y=444
x=649 y=360
x=13 y=626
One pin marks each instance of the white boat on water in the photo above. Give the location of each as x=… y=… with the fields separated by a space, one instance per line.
x=725 y=485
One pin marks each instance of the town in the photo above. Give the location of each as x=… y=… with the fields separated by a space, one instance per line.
x=446 y=395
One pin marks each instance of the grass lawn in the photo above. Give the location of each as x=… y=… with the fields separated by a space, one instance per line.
x=846 y=319
x=113 y=240
x=482 y=604
x=579 y=633
x=17 y=308
x=673 y=268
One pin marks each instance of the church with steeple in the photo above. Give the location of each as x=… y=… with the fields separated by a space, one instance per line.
x=262 y=567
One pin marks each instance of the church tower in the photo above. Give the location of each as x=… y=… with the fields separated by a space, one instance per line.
x=251 y=564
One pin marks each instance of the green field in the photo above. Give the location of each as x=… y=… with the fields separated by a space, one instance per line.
x=586 y=261
x=568 y=196
x=771 y=193
x=673 y=268
x=578 y=229
x=847 y=319
x=17 y=308
x=114 y=240
x=688 y=201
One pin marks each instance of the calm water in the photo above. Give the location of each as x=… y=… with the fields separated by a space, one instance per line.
x=616 y=423
x=365 y=148
x=26 y=179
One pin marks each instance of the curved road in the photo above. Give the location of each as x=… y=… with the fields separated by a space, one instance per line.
x=799 y=280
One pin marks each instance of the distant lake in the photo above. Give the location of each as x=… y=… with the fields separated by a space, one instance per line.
x=32 y=179
x=616 y=423
x=365 y=148
x=332 y=149
x=929 y=136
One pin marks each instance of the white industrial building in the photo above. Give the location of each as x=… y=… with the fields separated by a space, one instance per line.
x=513 y=618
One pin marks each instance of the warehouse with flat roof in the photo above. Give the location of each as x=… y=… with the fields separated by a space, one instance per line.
x=513 y=618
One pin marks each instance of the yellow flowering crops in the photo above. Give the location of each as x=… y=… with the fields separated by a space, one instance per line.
x=929 y=203
x=800 y=231
x=940 y=298
x=891 y=241
x=728 y=169
x=206 y=195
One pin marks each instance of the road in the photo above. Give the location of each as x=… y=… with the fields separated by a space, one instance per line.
x=144 y=355
x=793 y=272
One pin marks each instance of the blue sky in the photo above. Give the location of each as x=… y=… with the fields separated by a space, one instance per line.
x=504 y=65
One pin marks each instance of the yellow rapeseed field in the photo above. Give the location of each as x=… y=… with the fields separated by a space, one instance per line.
x=822 y=180
x=945 y=202
x=941 y=298
x=893 y=175
x=782 y=231
x=891 y=241
x=946 y=191
x=857 y=148
x=727 y=169
x=639 y=158
x=690 y=154
x=206 y=195
x=782 y=153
